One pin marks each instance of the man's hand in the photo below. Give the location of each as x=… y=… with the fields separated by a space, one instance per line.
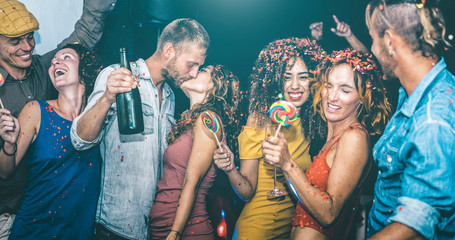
x=119 y=81
x=316 y=30
x=342 y=30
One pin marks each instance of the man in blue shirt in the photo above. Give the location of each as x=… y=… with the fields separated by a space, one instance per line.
x=415 y=189
x=132 y=164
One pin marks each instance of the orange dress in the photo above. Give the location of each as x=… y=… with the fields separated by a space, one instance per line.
x=318 y=175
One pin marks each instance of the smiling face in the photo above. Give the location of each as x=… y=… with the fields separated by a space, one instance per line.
x=297 y=84
x=340 y=98
x=16 y=52
x=64 y=69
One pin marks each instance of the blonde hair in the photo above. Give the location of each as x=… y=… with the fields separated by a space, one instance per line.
x=421 y=25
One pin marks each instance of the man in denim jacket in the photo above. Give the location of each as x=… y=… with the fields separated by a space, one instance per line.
x=415 y=189
x=132 y=163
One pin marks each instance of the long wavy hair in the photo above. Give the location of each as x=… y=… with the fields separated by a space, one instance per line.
x=374 y=112
x=223 y=99
x=267 y=78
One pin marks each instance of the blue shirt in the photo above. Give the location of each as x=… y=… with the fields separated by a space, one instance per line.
x=131 y=163
x=416 y=160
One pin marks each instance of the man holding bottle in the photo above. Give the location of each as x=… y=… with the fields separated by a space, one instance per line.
x=132 y=163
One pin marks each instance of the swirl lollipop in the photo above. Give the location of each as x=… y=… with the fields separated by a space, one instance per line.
x=211 y=123
x=283 y=113
x=2 y=81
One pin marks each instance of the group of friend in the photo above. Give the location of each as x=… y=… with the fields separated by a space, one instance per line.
x=67 y=173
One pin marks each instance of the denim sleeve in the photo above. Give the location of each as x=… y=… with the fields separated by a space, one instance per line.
x=100 y=87
x=428 y=184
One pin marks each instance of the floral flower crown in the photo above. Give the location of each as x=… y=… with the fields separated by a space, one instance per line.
x=284 y=49
x=360 y=62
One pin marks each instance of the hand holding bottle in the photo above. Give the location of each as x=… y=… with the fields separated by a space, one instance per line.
x=119 y=81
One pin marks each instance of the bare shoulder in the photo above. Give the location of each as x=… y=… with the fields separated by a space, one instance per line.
x=30 y=117
x=354 y=141
x=32 y=108
x=208 y=124
x=354 y=135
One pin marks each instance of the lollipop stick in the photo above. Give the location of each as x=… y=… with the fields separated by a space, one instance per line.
x=277 y=130
x=1 y=103
x=217 y=141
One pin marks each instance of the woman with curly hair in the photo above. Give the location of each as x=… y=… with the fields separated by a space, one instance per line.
x=350 y=97
x=179 y=210
x=63 y=184
x=284 y=67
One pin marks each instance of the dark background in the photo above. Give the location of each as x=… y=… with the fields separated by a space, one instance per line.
x=238 y=29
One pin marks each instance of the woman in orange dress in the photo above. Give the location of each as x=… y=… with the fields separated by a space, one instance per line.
x=350 y=97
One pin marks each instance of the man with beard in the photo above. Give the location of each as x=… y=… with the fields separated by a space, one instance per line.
x=414 y=192
x=132 y=163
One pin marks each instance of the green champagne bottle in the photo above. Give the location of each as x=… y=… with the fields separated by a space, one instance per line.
x=129 y=105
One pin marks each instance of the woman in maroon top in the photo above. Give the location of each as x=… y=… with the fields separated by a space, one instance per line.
x=179 y=209
x=350 y=97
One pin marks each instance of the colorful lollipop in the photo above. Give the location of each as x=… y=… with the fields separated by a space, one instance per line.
x=2 y=81
x=283 y=113
x=211 y=123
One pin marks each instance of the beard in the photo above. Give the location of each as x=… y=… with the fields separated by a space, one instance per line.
x=172 y=75
x=388 y=64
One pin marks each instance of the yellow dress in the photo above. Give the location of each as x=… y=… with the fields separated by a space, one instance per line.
x=263 y=218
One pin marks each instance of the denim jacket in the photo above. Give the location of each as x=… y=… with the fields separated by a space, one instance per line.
x=416 y=160
x=132 y=164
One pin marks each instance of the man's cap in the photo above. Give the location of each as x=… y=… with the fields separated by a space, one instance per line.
x=15 y=19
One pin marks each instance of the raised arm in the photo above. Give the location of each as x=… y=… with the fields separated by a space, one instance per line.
x=86 y=129
x=344 y=30
x=351 y=157
x=244 y=181
x=88 y=30
x=18 y=135
x=204 y=145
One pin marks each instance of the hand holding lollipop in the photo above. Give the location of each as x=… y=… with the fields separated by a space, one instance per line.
x=211 y=123
x=283 y=113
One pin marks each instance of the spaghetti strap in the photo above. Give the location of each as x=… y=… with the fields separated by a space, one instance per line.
x=350 y=127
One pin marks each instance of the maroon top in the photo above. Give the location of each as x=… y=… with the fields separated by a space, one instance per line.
x=170 y=186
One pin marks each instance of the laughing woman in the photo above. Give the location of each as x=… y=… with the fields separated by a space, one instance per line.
x=63 y=184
